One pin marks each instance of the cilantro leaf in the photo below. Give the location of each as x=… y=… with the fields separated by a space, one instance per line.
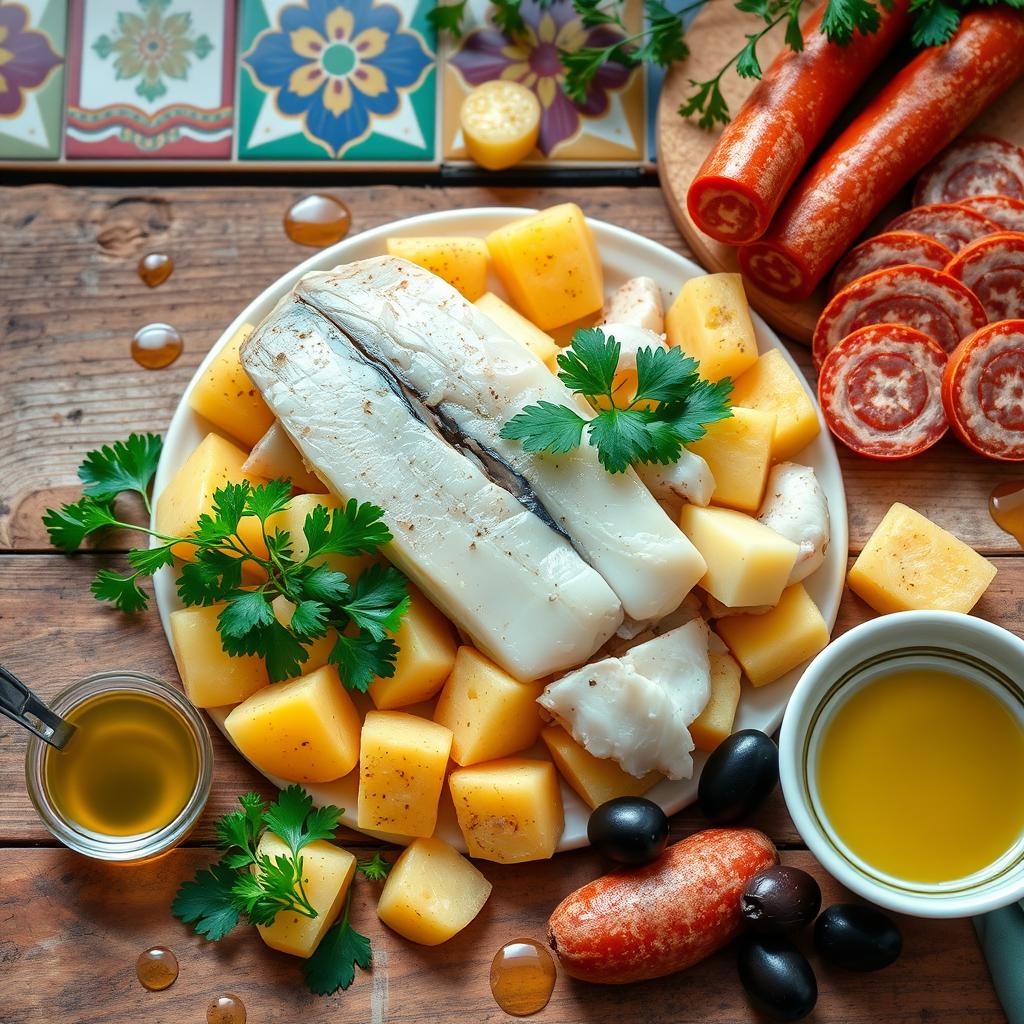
x=228 y=507
x=708 y=101
x=661 y=372
x=309 y=619
x=246 y=611
x=148 y=560
x=507 y=17
x=124 y=466
x=844 y=17
x=266 y=499
x=360 y=659
x=588 y=365
x=374 y=868
x=546 y=427
x=665 y=43
x=622 y=437
x=211 y=577
x=286 y=816
x=448 y=18
x=240 y=830
x=69 y=525
x=323 y=584
x=206 y=902
x=341 y=950
x=122 y=591
x=706 y=402
x=935 y=21
x=354 y=529
x=378 y=601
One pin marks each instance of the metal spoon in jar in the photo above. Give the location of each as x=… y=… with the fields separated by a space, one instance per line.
x=21 y=705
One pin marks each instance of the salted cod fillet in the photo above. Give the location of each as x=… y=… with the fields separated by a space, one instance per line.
x=509 y=580
x=459 y=364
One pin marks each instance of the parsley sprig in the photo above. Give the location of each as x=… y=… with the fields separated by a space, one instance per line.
x=669 y=409
x=362 y=613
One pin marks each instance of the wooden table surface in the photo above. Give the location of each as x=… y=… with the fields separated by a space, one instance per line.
x=70 y=929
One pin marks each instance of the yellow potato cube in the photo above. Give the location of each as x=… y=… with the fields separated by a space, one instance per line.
x=227 y=398
x=595 y=779
x=770 y=645
x=516 y=326
x=710 y=320
x=748 y=564
x=490 y=713
x=500 y=122
x=212 y=678
x=189 y=495
x=714 y=723
x=910 y=563
x=509 y=811
x=426 y=654
x=462 y=262
x=319 y=650
x=402 y=761
x=738 y=452
x=431 y=893
x=304 y=730
x=771 y=385
x=327 y=873
x=549 y=265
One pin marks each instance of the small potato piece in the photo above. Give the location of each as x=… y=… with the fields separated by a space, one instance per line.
x=327 y=872
x=710 y=321
x=595 y=779
x=426 y=654
x=490 y=713
x=515 y=325
x=770 y=645
x=304 y=730
x=227 y=398
x=738 y=452
x=211 y=677
x=462 y=262
x=500 y=123
x=910 y=563
x=509 y=811
x=715 y=722
x=402 y=761
x=431 y=893
x=771 y=385
x=550 y=266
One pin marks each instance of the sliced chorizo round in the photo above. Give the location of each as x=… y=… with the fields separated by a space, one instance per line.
x=993 y=268
x=950 y=225
x=1008 y=213
x=890 y=249
x=973 y=165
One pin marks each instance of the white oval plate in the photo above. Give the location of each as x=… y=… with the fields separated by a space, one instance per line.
x=624 y=255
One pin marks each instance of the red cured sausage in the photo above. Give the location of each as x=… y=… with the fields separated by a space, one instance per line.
x=950 y=225
x=651 y=921
x=983 y=393
x=928 y=300
x=880 y=391
x=975 y=165
x=921 y=109
x=993 y=268
x=891 y=249
x=1006 y=212
x=760 y=153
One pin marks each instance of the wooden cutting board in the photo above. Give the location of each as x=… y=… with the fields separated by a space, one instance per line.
x=716 y=34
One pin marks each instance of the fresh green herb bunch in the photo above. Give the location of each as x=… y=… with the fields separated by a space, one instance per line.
x=246 y=882
x=362 y=612
x=670 y=408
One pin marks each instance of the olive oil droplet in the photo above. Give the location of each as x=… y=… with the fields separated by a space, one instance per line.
x=522 y=977
x=225 y=1009
x=155 y=268
x=156 y=346
x=157 y=968
x=317 y=221
x=1006 y=506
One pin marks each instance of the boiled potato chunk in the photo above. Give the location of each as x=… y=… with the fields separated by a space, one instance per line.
x=227 y=398
x=549 y=265
x=212 y=678
x=490 y=713
x=402 y=761
x=770 y=645
x=509 y=811
x=426 y=654
x=595 y=779
x=715 y=722
x=910 y=563
x=516 y=326
x=327 y=873
x=189 y=495
x=748 y=564
x=710 y=321
x=431 y=893
x=738 y=452
x=771 y=385
x=304 y=730
x=462 y=262
x=500 y=123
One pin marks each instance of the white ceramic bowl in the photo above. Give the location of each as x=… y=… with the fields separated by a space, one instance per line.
x=970 y=647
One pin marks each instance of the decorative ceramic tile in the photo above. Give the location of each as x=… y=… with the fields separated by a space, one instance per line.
x=349 y=80
x=31 y=78
x=151 y=78
x=610 y=126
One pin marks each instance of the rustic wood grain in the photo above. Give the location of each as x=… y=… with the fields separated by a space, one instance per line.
x=72 y=958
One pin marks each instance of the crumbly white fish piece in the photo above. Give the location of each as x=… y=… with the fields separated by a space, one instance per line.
x=795 y=506
x=638 y=302
x=275 y=456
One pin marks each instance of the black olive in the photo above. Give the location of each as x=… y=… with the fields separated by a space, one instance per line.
x=857 y=937
x=629 y=829
x=780 y=899
x=777 y=977
x=741 y=772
